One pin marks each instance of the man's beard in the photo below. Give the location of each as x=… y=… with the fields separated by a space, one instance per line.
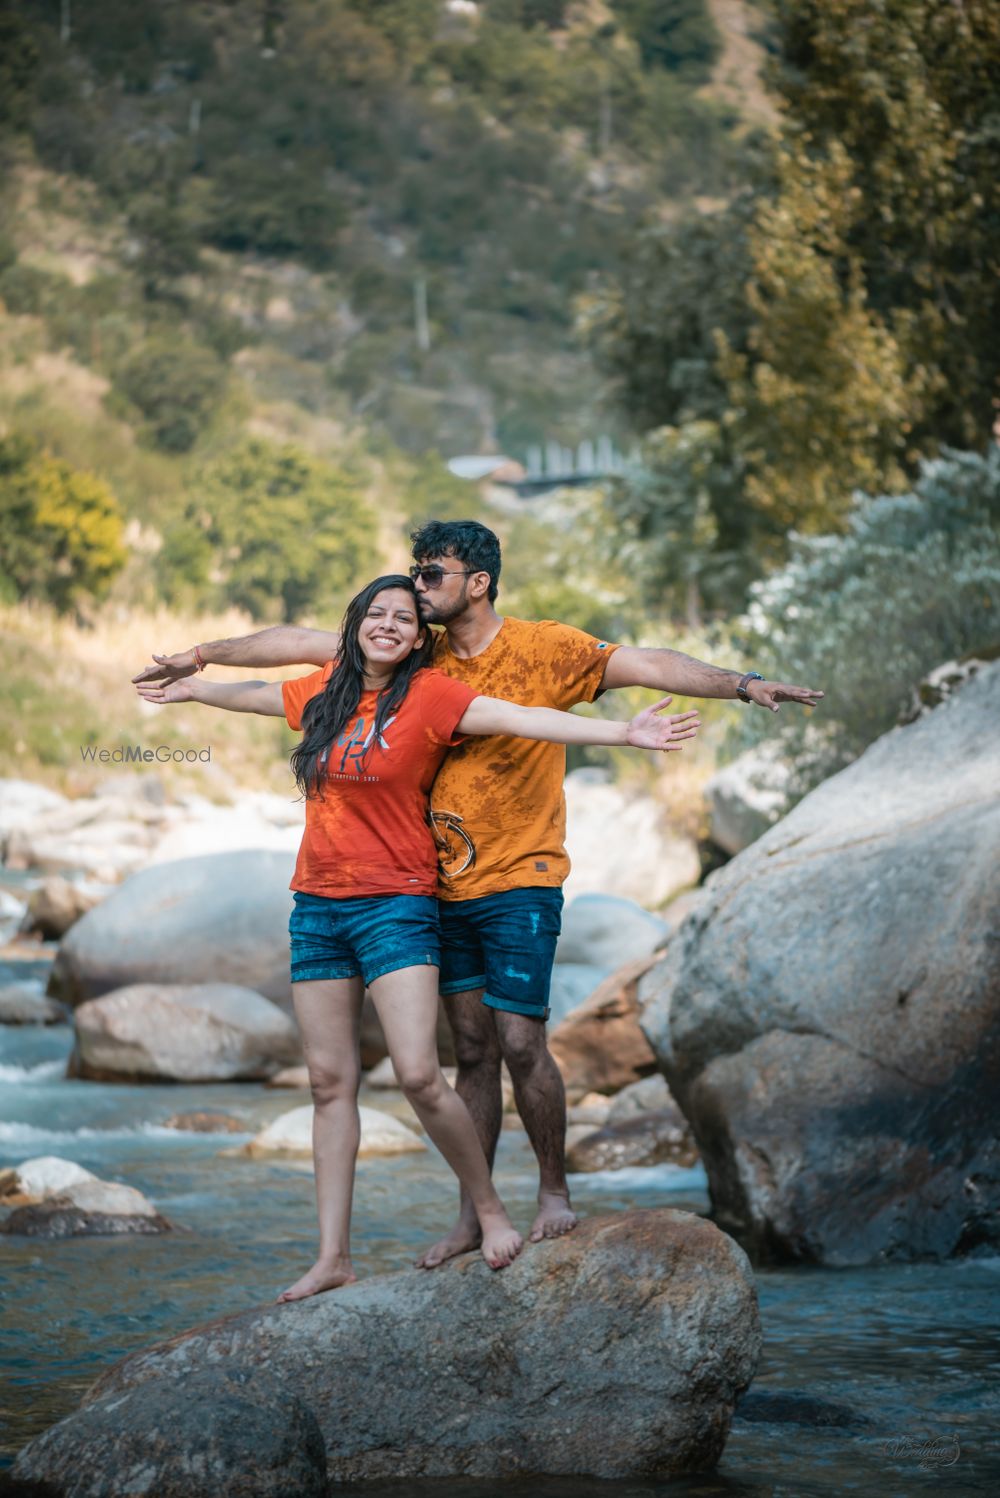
x=431 y=614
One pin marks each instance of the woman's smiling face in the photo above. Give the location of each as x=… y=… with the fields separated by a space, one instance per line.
x=391 y=629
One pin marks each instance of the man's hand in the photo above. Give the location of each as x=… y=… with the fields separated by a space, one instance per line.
x=169 y=668
x=771 y=693
x=164 y=692
x=647 y=730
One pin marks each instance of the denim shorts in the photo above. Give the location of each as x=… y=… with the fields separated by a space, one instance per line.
x=504 y=944
x=370 y=937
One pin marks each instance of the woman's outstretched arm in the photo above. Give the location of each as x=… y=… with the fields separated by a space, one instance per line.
x=236 y=697
x=647 y=730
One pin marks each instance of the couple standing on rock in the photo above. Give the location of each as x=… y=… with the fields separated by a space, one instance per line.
x=460 y=728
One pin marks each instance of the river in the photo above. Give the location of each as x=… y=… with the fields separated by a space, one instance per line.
x=873 y=1381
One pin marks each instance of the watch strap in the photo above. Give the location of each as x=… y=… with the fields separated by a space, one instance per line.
x=741 y=690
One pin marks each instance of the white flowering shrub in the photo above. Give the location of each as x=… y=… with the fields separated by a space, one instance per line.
x=914 y=581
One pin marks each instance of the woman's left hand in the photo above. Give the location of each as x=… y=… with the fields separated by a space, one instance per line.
x=648 y=730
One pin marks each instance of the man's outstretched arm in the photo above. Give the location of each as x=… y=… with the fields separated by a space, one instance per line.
x=671 y=671
x=280 y=645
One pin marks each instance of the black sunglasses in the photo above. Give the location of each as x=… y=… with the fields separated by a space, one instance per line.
x=433 y=576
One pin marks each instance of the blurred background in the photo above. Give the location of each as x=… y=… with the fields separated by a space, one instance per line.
x=728 y=268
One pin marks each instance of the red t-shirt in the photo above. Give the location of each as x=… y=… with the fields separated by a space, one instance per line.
x=369 y=834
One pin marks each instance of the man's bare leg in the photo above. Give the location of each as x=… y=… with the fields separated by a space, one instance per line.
x=477 y=1053
x=541 y=1102
x=329 y=1016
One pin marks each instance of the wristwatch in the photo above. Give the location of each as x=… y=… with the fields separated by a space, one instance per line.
x=741 y=690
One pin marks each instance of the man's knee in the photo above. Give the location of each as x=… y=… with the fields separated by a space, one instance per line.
x=522 y=1043
x=474 y=1032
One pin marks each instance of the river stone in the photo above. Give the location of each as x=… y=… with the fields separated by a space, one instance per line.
x=291 y=1134
x=200 y=1032
x=224 y=1432
x=747 y=797
x=618 y=1350
x=653 y=1139
x=24 y=1003
x=621 y=843
x=33 y=1180
x=828 y=1018
x=57 y=903
x=206 y=1123
x=650 y=1095
x=22 y=803
x=90 y=1208
x=600 y=1047
x=218 y=919
x=605 y=932
x=572 y=983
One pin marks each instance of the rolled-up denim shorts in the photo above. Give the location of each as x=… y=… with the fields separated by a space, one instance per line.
x=504 y=944
x=370 y=937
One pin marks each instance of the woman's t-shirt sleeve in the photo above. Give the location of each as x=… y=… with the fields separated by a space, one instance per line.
x=297 y=692
x=445 y=702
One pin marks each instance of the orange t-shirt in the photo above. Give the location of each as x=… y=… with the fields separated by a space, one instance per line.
x=497 y=806
x=369 y=834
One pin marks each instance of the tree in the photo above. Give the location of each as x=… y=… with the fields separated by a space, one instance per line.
x=61 y=528
x=273 y=531
x=176 y=384
x=672 y=33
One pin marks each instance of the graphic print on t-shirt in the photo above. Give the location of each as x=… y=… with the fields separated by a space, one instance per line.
x=455 y=844
x=355 y=743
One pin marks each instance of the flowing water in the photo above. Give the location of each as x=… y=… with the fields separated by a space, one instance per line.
x=880 y=1381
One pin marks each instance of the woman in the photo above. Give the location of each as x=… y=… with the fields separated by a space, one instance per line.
x=376 y=724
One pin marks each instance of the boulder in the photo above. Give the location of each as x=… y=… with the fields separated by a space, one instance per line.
x=24 y=1003
x=619 y=1350
x=600 y=1047
x=652 y=1139
x=291 y=1134
x=828 y=1019
x=205 y=1123
x=605 y=932
x=290 y=1076
x=747 y=797
x=88 y=1208
x=56 y=903
x=33 y=1180
x=12 y=914
x=197 y=1032
x=572 y=982
x=22 y=803
x=621 y=843
x=223 y=1431
x=218 y=919
x=651 y=1095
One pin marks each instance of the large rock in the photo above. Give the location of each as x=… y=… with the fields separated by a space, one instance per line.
x=291 y=1134
x=621 y=843
x=57 y=903
x=616 y=1351
x=651 y=1139
x=198 y=1032
x=224 y=1432
x=600 y=1047
x=606 y=931
x=33 y=1180
x=747 y=797
x=219 y=919
x=87 y=1208
x=828 y=1017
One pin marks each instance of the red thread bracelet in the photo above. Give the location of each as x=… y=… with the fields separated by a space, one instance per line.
x=198 y=659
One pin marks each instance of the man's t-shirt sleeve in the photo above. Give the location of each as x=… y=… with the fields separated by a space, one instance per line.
x=444 y=704
x=573 y=661
x=297 y=692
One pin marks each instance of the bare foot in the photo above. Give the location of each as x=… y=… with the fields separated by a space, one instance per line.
x=317 y=1279
x=555 y=1216
x=501 y=1241
x=463 y=1237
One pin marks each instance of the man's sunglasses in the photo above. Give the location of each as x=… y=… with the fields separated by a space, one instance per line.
x=434 y=576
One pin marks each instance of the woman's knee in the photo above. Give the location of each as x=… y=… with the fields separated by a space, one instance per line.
x=422 y=1081
x=332 y=1083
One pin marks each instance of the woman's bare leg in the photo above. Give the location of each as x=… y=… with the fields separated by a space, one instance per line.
x=329 y=1016
x=407 y=1007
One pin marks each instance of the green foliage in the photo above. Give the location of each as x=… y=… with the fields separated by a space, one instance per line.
x=61 y=529
x=913 y=581
x=20 y=59
x=273 y=531
x=672 y=34
x=176 y=384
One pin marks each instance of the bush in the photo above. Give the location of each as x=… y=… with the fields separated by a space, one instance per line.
x=176 y=385
x=61 y=529
x=914 y=582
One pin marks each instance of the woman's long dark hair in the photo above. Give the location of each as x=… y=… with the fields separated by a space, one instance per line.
x=326 y=716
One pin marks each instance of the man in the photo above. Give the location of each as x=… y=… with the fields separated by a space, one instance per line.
x=498 y=813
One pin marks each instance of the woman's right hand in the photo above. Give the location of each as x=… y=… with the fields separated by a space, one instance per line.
x=164 y=692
